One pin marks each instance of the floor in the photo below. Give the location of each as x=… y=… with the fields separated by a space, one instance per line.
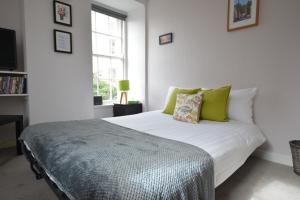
x=256 y=180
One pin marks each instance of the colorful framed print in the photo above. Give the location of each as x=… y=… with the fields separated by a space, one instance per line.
x=166 y=38
x=62 y=41
x=62 y=13
x=242 y=14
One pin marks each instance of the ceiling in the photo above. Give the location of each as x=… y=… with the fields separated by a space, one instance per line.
x=123 y=5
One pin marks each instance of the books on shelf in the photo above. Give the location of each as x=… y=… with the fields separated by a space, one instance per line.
x=12 y=84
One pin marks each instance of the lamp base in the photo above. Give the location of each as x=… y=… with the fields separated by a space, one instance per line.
x=123 y=94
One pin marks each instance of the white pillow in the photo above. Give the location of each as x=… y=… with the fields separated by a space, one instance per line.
x=241 y=105
x=170 y=91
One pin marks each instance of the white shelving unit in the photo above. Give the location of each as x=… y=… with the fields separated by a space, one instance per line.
x=12 y=73
x=14 y=95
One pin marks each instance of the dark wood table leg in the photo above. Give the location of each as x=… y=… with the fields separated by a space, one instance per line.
x=19 y=129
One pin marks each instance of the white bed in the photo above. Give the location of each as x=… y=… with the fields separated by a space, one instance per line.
x=229 y=143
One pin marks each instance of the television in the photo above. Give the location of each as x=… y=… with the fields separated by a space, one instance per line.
x=8 y=49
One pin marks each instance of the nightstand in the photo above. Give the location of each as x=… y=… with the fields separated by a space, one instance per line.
x=128 y=109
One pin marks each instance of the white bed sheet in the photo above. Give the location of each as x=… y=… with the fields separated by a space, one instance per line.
x=229 y=143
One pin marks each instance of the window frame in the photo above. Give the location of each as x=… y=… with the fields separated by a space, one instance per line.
x=111 y=13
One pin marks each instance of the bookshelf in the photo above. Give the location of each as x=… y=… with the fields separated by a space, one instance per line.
x=10 y=92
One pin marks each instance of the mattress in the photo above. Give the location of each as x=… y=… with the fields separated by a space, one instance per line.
x=229 y=143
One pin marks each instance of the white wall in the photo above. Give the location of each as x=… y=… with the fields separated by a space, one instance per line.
x=60 y=85
x=136 y=53
x=205 y=54
x=11 y=18
x=144 y=2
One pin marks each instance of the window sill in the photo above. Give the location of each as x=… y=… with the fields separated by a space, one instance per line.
x=104 y=105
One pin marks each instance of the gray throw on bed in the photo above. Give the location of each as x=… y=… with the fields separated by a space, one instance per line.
x=95 y=159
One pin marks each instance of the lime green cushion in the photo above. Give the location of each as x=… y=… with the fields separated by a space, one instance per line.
x=169 y=109
x=215 y=104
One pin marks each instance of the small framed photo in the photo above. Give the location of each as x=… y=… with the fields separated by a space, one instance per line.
x=62 y=13
x=62 y=41
x=242 y=14
x=166 y=38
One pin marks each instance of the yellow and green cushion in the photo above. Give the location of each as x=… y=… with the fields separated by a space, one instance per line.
x=188 y=107
x=215 y=104
x=169 y=109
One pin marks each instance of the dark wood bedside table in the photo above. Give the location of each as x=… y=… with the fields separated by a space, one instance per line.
x=128 y=109
x=18 y=120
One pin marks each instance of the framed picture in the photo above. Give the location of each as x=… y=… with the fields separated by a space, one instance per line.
x=166 y=38
x=62 y=13
x=62 y=41
x=242 y=14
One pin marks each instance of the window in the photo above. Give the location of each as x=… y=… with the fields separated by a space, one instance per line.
x=109 y=62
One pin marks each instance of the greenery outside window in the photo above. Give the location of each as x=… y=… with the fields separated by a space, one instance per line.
x=109 y=55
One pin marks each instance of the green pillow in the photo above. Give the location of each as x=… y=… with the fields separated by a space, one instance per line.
x=169 y=109
x=215 y=104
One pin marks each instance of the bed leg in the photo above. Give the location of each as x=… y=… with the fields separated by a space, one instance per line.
x=38 y=174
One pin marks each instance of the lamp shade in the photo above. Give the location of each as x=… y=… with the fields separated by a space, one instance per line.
x=124 y=85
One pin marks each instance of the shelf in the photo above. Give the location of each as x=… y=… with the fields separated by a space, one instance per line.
x=14 y=95
x=13 y=72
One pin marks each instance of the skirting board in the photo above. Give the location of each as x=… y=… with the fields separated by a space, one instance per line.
x=274 y=157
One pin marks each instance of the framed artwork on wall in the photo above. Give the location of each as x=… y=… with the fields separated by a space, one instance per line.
x=166 y=38
x=62 y=13
x=62 y=41
x=242 y=14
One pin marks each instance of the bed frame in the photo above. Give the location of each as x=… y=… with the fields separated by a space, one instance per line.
x=40 y=173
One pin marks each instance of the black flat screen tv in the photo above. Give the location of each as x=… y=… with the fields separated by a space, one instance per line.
x=8 y=49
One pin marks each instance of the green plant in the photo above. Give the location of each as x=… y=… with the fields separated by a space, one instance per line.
x=104 y=90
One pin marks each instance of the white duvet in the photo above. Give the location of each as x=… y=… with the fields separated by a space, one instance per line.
x=229 y=143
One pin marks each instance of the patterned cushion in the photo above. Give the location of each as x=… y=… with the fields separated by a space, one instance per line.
x=188 y=107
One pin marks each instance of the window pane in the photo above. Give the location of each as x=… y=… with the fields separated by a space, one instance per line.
x=102 y=46
x=108 y=35
x=94 y=43
x=96 y=82
x=95 y=65
x=93 y=20
x=115 y=27
x=104 y=66
x=114 y=90
x=116 y=47
x=104 y=89
x=117 y=69
x=102 y=23
x=107 y=45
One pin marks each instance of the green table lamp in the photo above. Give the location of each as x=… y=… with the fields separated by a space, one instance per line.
x=124 y=87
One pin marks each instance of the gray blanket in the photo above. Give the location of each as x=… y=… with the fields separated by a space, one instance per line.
x=95 y=159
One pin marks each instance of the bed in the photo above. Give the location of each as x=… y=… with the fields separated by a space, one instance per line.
x=228 y=145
